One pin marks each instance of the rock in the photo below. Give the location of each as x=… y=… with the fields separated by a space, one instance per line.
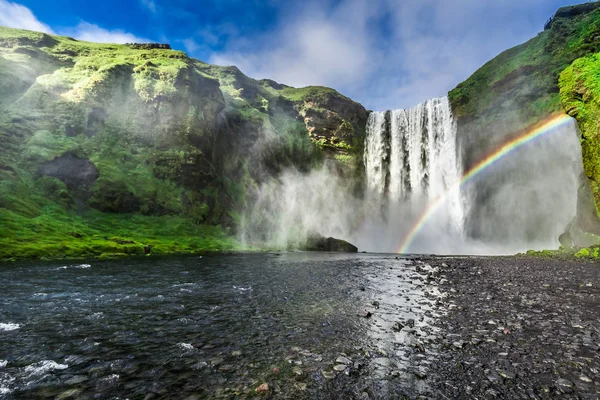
x=339 y=367
x=397 y=327
x=584 y=378
x=420 y=374
x=264 y=388
x=459 y=345
x=327 y=374
x=343 y=360
x=69 y=394
x=297 y=371
x=506 y=374
x=316 y=242
x=75 y=172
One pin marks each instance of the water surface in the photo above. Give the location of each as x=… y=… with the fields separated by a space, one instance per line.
x=216 y=327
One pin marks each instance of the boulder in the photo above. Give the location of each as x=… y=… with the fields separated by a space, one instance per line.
x=317 y=242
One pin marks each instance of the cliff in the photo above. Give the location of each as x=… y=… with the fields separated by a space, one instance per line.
x=109 y=148
x=521 y=87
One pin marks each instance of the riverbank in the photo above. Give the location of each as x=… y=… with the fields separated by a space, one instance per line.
x=518 y=327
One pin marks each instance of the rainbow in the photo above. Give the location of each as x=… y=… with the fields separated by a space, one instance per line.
x=547 y=126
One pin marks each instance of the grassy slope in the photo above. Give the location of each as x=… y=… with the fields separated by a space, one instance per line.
x=520 y=86
x=161 y=150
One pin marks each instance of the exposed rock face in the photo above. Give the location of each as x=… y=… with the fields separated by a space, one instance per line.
x=75 y=172
x=317 y=242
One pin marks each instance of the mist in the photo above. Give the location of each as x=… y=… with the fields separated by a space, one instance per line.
x=522 y=201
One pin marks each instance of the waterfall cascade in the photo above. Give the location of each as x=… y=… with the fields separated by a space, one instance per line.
x=411 y=159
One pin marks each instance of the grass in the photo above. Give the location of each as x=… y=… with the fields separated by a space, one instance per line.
x=55 y=233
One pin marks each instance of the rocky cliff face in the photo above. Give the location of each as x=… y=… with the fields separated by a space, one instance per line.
x=521 y=87
x=92 y=129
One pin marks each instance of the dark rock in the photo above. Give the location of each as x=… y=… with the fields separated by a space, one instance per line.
x=149 y=46
x=320 y=243
x=75 y=172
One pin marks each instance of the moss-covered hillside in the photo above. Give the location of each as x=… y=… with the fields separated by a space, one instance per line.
x=109 y=148
x=521 y=87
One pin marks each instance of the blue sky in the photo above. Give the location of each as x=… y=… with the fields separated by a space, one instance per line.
x=382 y=53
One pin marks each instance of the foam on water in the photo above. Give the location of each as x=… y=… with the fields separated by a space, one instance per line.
x=9 y=327
x=80 y=266
x=43 y=367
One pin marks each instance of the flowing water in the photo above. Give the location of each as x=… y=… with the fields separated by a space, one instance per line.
x=411 y=159
x=217 y=327
x=414 y=156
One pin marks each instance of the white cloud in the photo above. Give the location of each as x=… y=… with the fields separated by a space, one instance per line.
x=15 y=15
x=149 y=4
x=93 y=33
x=387 y=53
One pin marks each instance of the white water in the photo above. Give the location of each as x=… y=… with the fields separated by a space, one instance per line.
x=411 y=159
x=523 y=202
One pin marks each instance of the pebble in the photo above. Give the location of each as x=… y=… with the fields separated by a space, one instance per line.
x=263 y=388
x=343 y=360
x=327 y=374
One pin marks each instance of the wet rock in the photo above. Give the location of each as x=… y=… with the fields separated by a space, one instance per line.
x=317 y=242
x=76 y=380
x=69 y=394
x=339 y=367
x=506 y=374
x=397 y=327
x=343 y=360
x=327 y=374
x=585 y=378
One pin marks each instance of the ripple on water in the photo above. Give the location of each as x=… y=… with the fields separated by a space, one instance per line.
x=79 y=266
x=9 y=327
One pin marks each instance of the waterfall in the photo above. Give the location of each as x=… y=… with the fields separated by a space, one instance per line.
x=411 y=159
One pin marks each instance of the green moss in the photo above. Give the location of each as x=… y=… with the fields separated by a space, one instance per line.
x=580 y=96
x=583 y=253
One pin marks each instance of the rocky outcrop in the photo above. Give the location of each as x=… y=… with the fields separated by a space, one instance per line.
x=317 y=242
x=75 y=172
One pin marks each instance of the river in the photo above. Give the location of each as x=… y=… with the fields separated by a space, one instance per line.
x=309 y=325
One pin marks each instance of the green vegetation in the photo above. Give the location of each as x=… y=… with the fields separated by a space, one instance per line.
x=521 y=84
x=580 y=96
x=564 y=253
x=55 y=233
x=105 y=148
x=553 y=72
